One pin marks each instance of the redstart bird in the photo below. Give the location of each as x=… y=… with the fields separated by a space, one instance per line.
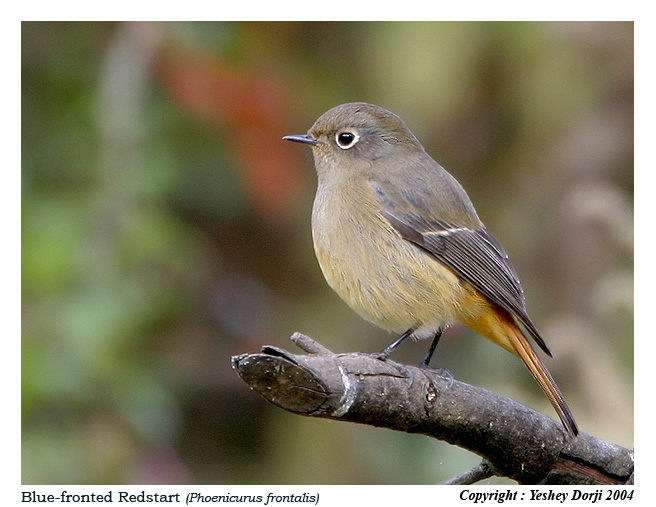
x=400 y=242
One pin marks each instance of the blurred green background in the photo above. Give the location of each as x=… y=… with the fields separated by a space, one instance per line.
x=165 y=228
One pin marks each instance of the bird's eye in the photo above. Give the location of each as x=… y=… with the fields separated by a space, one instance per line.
x=346 y=139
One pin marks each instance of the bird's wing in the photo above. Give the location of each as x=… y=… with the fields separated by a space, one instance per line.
x=474 y=255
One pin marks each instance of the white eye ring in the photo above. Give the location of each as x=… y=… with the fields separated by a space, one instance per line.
x=346 y=139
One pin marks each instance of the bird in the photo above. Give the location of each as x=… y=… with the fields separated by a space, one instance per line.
x=399 y=240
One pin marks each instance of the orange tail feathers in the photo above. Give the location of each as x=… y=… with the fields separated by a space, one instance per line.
x=500 y=327
x=525 y=350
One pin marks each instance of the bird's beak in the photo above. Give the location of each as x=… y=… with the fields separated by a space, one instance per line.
x=302 y=138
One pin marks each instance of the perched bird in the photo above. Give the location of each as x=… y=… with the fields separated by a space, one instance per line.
x=400 y=242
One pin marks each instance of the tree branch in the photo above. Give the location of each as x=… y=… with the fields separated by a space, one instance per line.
x=514 y=440
x=480 y=472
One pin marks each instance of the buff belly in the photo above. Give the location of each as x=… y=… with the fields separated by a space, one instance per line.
x=390 y=281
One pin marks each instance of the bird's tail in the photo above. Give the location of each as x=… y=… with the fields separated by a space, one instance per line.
x=524 y=349
x=500 y=327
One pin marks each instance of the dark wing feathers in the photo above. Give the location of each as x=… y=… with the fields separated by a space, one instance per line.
x=474 y=255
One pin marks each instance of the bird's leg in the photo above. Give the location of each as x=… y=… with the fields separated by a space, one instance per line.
x=384 y=354
x=429 y=354
x=441 y=372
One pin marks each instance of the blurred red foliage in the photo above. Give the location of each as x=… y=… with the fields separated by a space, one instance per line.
x=249 y=104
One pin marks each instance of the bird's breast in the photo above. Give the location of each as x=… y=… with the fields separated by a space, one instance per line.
x=387 y=280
